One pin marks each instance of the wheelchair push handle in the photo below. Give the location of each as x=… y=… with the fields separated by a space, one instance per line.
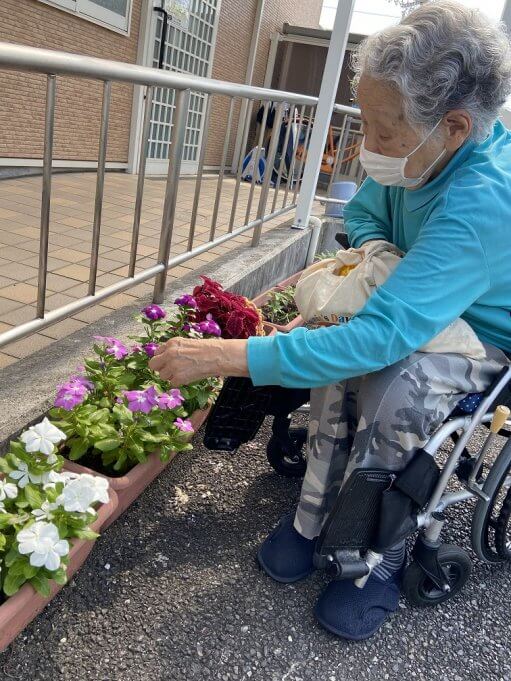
x=500 y=417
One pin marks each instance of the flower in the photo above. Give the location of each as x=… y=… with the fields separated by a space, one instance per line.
x=141 y=400
x=186 y=300
x=79 y=494
x=136 y=348
x=150 y=349
x=51 y=478
x=208 y=326
x=184 y=424
x=72 y=393
x=171 y=400
x=114 y=346
x=82 y=380
x=42 y=438
x=41 y=540
x=24 y=476
x=46 y=511
x=8 y=490
x=154 y=312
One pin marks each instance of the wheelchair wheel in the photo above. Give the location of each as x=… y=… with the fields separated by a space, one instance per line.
x=419 y=588
x=487 y=514
x=503 y=529
x=287 y=458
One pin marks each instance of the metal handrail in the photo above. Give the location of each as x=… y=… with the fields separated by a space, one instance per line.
x=54 y=64
x=38 y=60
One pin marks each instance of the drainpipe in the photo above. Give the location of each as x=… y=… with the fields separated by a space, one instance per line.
x=327 y=95
x=248 y=81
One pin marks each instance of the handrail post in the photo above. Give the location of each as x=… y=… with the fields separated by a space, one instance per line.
x=169 y=208
x=100 y=186
x=49 y=129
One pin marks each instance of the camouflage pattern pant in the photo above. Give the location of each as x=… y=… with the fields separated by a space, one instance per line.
x=380 y=420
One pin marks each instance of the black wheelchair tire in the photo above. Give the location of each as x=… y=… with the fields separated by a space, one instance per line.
x=483 y=519
x=289 y=464
x=503 y=529
x=421 y=591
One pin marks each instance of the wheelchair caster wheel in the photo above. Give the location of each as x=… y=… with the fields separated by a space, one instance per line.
x=419 y=588
x=287 y=458
x=503 y=529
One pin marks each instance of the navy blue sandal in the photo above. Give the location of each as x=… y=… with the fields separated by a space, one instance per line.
x=285 y=555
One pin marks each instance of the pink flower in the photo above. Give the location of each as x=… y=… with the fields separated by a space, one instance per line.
x=170 y=400
x=154 y=312
x=186 y=300
x=141 y=400
x=184 y=424
x=73 y=392
x=113 y=346
x=150 y=349
x=208 y=327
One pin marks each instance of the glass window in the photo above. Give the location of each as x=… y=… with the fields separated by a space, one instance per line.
x=114 y=13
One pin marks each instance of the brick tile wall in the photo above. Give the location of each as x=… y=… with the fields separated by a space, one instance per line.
x=78 y=110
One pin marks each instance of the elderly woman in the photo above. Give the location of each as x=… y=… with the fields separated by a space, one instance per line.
x=439 y=187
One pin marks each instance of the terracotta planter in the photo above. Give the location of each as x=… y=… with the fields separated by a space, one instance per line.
x=262 y=299
x=19 y=610
x=129 y=486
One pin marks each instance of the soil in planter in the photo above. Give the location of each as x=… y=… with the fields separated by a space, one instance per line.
x=90 y=460
x=281 y=307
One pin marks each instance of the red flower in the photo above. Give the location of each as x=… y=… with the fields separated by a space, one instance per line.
x=235 y=315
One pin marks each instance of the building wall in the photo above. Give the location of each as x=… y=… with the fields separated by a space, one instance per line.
x=232 y=53
x=78 y=108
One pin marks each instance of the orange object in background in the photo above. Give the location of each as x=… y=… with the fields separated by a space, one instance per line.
x=328 y=161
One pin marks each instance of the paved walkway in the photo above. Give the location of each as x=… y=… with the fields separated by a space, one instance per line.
x=70 y=243
x=172 y=592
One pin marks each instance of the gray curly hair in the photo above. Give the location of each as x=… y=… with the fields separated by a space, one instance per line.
x=442 y=56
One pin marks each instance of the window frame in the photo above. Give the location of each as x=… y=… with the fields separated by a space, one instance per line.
x=90 y=11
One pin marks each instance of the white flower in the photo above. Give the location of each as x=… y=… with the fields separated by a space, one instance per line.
x=41 y=540
x=2 y=507
x=23 y=475
x=45 y=512
x=42 y=438
x=79 y=494
x=51 y=478
x=8 y=490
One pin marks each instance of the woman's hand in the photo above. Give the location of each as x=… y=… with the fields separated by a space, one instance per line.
x=185 y=360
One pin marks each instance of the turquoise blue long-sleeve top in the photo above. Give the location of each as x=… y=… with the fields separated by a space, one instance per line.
x=456 y=233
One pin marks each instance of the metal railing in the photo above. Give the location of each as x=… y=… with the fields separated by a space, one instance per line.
x=58 y=64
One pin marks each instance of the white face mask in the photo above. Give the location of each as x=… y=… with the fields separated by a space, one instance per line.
x=390 y=170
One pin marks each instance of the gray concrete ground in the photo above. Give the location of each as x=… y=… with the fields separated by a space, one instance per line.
x=172 y=592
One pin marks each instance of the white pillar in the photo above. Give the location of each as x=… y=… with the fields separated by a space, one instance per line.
x=506 y=15
x=327 y=95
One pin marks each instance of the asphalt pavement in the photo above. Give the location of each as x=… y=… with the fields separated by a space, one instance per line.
x=172 y=592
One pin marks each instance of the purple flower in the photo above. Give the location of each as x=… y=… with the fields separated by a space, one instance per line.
x=208 y=326
x=82 y=380
x=154 y=312
x=68 y=401
x=150 y=349
x=136 y=348
x=141 y=400
x=186 y=327
x=184 y=424
x=114 y=346
x=171 y=400
x=186 y=300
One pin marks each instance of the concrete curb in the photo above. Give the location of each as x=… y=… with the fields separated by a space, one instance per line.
x=27 y=387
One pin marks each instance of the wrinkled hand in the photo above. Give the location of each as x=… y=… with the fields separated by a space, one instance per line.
x=186 y=360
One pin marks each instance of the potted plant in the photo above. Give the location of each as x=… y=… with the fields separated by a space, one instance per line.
x=121 y=420
x=49 y=520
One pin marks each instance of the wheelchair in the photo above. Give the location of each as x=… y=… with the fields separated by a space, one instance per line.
x=376 y=509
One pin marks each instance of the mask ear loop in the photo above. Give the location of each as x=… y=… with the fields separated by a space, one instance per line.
x=424 y=172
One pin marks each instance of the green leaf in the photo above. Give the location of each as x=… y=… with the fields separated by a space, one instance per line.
x=78 y=449
x=107 y=445
x=86 y=534
x=60 y=576
x=41 y=584
x=33 y=496
x=12 y=583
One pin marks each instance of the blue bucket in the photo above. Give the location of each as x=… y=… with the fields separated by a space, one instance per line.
x=343 y=191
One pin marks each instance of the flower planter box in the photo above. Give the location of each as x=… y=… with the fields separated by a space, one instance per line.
x=129 y=486
x=262 y=299
x=19 y=610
